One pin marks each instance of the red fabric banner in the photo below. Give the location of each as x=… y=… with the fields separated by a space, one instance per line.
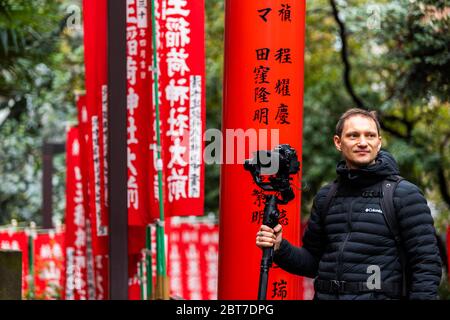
x=263 y=96
x=76 y=287
x=136 y=244
x=139 y=95
x=95 y=37
x=49 y=265
x=18 y=241
x=134 y=279
x=193 y=260
x=85 y=155
x=181 y=92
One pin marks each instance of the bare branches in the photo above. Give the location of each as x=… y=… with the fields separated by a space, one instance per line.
x=401 y=127
x=344 y=56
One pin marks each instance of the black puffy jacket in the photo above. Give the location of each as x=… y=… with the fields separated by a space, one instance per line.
x=352 y=236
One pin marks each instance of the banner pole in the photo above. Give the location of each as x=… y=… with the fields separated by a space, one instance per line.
x=31 y=260
x=148 y=262
x=117 y=150
x=162 y=290
x=141 y=280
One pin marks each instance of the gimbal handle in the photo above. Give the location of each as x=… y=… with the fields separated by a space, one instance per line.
x=271 y=216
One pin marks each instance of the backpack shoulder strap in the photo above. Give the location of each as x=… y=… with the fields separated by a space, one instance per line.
x=329 y=197
x=388 y=187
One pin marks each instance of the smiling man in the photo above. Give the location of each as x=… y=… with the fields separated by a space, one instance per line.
x=358 y=138
x=370 y=233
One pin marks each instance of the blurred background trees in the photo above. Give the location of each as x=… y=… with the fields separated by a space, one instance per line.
x=392 y=57
x=389 y=56
x=41 y=67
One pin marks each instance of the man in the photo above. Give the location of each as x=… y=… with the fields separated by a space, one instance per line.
x=350 y=249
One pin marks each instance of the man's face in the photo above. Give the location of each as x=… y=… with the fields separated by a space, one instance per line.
x=359 y=142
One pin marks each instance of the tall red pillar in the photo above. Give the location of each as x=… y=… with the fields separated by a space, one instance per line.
x=448 y=254
x=263 y=89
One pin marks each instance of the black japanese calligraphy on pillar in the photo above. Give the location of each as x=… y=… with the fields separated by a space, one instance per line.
x=261 y=115
x=257 y=216
x=283 y=55
x=283 y=219
x=279 y=289
x=282 y=114
x=262 y=54
x=285 y=12
x=263 y=13
x=261 y=74
x=263 y=90
x=282 y=87
x=259 y=197
x=261 y=94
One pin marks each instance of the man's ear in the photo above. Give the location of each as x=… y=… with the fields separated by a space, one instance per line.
x=337 y=142
x=379 y=146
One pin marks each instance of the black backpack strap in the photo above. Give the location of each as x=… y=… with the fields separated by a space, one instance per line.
x=329 y=197
x=388 y=187
x=387 y=190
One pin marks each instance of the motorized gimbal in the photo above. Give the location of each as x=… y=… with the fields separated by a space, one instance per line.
x=272 y=171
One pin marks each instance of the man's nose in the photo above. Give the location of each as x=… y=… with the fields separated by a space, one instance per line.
x=362 y=142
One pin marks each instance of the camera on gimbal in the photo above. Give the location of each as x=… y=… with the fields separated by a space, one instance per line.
x=271 y=170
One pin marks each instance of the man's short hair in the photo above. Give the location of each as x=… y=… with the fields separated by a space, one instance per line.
x=353 y=112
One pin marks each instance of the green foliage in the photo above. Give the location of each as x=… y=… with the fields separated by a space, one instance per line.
x=399 y=58
x=40 y=67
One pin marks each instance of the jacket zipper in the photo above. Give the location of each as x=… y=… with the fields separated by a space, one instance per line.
x=341 y=251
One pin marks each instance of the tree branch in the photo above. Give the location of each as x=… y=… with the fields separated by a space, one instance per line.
x=393 y=132
x=443 y=187
x=344 y=56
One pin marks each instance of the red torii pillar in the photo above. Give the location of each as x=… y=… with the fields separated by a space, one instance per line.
x=448 y=254
x=263 y=89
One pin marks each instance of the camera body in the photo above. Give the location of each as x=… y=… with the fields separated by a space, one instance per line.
x=272 y=170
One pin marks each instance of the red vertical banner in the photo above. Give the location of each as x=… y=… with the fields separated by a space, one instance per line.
x=76 y=287
x=181 y=95
x=18 y=241
x=85 y=156
x=139 y=95
x=134 y=279
x=136 y=243
x=49 y=265
x=95 y=37
x=263 y=95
